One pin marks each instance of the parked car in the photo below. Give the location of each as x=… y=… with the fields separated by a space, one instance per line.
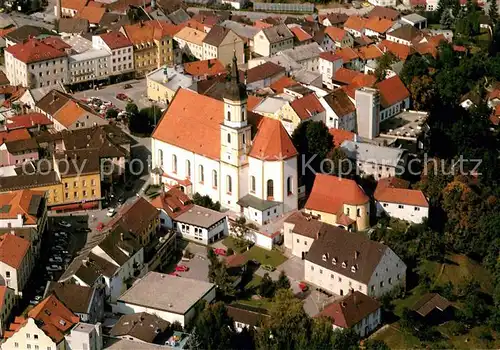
x=84 y=229
x=64 y=224
x=111 y=212
x=269 y=268
x=61 y=234
x=303 y=286
x=127 y=86
x=121 y=96
x=220 y=251
x=54 y=268
x=181 y=268
x=100 y=226
x=55 y=259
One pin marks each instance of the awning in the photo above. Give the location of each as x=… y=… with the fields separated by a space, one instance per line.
x=67 y=207
x=90 y=205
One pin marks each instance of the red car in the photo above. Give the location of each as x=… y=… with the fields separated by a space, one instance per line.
x=121 y=96
x=181 y=268
x=100 y=226
x=220 y=251
x=174 y=274
x=303 y=287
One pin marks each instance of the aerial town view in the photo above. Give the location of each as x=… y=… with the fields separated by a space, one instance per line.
x=235 y=174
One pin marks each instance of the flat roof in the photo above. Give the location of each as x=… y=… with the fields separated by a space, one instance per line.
x=405 y=124
x=174 y=79
x=78 y=43
x=89 y=55
x=366 y=152
x=167 y=293
x=257 y=203
x=200 y=216
x=270 y=105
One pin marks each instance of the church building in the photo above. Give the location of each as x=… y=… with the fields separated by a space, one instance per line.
x=205 y=146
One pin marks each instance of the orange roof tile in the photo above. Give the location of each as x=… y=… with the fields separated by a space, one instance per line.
x=272 y=142
x=345 y=76
x=393 y=191
x=92 y=14
x=115 y=40
x=13 y=249
x=6 y=31
x=253 y=101
x=399 y=50
x=300 y=34
x=69 y=113
x=205 y=68
x=14 y=135
x=34 y=50
x=392 y=91
x=356 y=23
x=330 y=56
x=384 y=12
x=330 y=193
x=282 y=83
x=261 y=25
x=369 y=52
x=73 y=4
x=336 y=34
x=55 y=318
x=149 y=31
x=17 y=203
x=363 y=80
x=347 y=54
x=340 y=135
x=194 y=24
x=95 y=4
x=378 y=25
x=192 y=122
x=307 y=106
x=174 y=202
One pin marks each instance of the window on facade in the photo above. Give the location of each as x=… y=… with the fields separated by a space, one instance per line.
x=358 y=212
x=229 y=184
x=347 y=211
x=417 y=208
x=243 y=139
x=400 y=206
x=214 y=179
x=229 y=115
x=252 y=184
x=160 y=157
x=174 y=163
x=229 y=138
x=270 y=188
x=201 y=173
x=7 y=274
x=188 y=168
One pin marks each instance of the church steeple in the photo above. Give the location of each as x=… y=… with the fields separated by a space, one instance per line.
x=235 y=91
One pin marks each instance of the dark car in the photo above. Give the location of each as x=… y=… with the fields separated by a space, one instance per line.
x=127 y=86
x=84 y=229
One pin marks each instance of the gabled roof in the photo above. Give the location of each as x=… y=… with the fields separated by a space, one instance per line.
x=18 y=35
x=76 y=5
x=406 y=32
x=345 y=76
x=92 y=14
x=339 y=102
x=429 y=302
x=143 y=326
x=14 y=135
x=53 y=101
x=347 y=253
x=55 y=318
x=145 y=32
x=370 y=52
x=336 y=34
x=379 y=25
x=13 y=249
x=281 y=84
x=206 y=68
x=350 y=310
x=77 y=298
x=34 y=50
x=300 y=34
x=384 y=12
x=174 y=202
x=263 y=71
x=277 y=33
x=136 y=217
x=216 y=35
x=28 y=120
x=70 y=113
x=330 y=193
x=307 y=106
x=330 y=56
x=401 y=51
x=22 y=202
x=115 y=40
x=392 y=91
x=347 y=54
x=356 y=23
x=246 y=314
x=304 y=224
x=336 y=18
x=73 y=25
x=272 y=142
x=191 y=35
x=393 y=191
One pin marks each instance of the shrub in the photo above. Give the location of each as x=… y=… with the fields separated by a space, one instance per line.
x=230 y=251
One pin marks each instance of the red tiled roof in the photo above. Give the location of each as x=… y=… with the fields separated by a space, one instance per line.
x=73 y=4
x=13 y=249
x=345 y=76
x=282 y=83
x=347 y=54
x=340 y=135
x=336 y=34
x=150 y=30
x=56 y=43
x=18 y=203
x=27 y=121
x=393 y=191
x=356 y=23
x=307 y=106
x=236 y=260
x=330 y=56
x=192 y=122
x=392 y=91
x=260 y=72
x=383 y=12
x=174 y=202
x=55 y=318
x=14 y=135
x=6 y=31
x=205 y=68
x=253 y=101
x=261 y=25
x=300 y=34
x=115 y=40
x=34 y=50
x=379 y=25
x=194 y=24
x=399 y=50
x=272 y=142
x=330 y=193
x=369 y=52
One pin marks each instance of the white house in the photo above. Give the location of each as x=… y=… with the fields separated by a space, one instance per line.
x=306 y=55
x=341 y=261
x=270 y=41
x=85 y=336
x=236 y=4
x=16 y=262
x=245 y=316
x=202 y=225
x=205 y=146
x=340 y=110
x=357 y=311
x=300 y=231
x=190 y=41
x=403 y=35
x=394 y=198
x=174 y=298
x=222 y=43
x=121 y=49
x=329 y=63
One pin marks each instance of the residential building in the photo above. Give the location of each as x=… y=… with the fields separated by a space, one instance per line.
x=394 y=97
x=16 y=262
x=163 y=83
x=329 y=63
x=341 y=261
x=301 y=37
x=300 y=231
x=388 y=3
x=85 y=302
x=403 y=35
x=384 y=12
x=415 y=20
x=152 y=45
x=355 y=311
x=305 y=55
x=340 y=110
x=222 y=43
x=341 y=38
x=211 y=151
x=269 y=41
x=433 y=309
x=378 y=161
x=141 y=327
x=299 y=110
x=93 y=14
x=339 y=201
x=36 y=63
x=394 y=197
x=93 y=65
x=44 y=327
x=70 y=8
x=246 y=316
x=236 y=4
x=202 y=70
x=262 y=76
x=25 y=211
x=73 y=26
x=7 y=302
x=377 y=27
x=335 y=19
x=175 y=298
x=190 y=41
x=121 y=50
x=85 y=336
x=113 y=263
x=23 y=33
x=355 y=25
x=18 y=152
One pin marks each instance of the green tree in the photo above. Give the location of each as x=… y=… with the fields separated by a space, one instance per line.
x=446 y=20
x=416 y=65
x=283 y=282
x=321 y=333
x=205 y=201
x=375 y=344
x=35 y=5
x=493 y=11
x=224 y=282
x=131 y=108
x=339 y=164
x=345 y=339
x=111 y=113
x=267 y=286
x=422 y=92
x=214 y=328
x=384 y=63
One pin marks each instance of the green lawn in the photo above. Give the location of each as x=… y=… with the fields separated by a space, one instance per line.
x=231 y=242
x=264 y=303
x=254 y=282
x=396 y=339
x=266 y=257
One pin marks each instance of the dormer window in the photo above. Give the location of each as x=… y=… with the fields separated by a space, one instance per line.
x=325 y=257
x=354 y=268
x=344 y=264
x=334 y=261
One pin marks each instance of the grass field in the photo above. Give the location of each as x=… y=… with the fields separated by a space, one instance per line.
x=266 y=257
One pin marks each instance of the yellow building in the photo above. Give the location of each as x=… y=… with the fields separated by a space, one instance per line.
x=163 y=83
x=340 y=202
x=153 y=46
